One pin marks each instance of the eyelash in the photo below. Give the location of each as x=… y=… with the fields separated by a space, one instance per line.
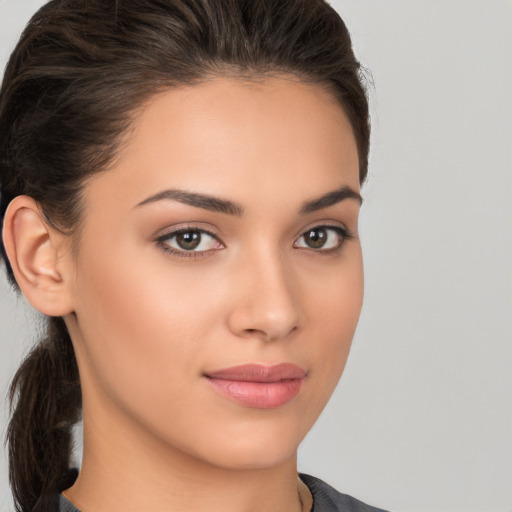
x=163 y=240
x=343 y=233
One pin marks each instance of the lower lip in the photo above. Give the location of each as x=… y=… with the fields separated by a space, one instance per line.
x=261 y=395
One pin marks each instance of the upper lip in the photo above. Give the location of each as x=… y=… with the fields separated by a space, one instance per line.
x=259 y=372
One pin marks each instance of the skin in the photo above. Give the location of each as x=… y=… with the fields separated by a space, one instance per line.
x=147 y=324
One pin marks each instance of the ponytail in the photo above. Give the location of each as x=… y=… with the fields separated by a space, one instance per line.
x=45 y=401
x=71 y=89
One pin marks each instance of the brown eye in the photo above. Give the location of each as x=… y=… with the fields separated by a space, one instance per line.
x=188 y=240
x=315 y=238
x=322 y=238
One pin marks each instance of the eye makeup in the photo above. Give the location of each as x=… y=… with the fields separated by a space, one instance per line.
x=323 y=238
x=189 y=242
x=195 y=242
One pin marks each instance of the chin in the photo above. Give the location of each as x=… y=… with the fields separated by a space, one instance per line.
x=253 y=457
x=253 y=448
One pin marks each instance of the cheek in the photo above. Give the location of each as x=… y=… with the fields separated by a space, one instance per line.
x=336 y=300
x=334 y=312
x=146 y=330
x=140 y=330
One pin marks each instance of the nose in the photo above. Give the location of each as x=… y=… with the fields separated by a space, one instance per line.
x=267 y=302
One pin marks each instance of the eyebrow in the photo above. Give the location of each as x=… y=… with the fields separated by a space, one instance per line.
x=330 y=199
x=214 y=204
x=225 y=206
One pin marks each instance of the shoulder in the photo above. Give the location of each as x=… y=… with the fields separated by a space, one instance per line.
x=325 y=499
x=65 y=505
x=328 y=499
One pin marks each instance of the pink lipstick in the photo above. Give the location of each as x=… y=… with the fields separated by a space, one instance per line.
x=258 y=385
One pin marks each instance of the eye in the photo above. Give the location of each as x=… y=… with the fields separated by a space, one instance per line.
x=188 y=242
x=323 y=238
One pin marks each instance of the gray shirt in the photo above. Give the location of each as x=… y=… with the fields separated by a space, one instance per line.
x=325 y=499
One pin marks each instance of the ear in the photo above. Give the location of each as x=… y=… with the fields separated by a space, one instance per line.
x=39 y=256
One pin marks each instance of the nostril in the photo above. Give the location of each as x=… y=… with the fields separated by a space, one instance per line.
x=255 y=331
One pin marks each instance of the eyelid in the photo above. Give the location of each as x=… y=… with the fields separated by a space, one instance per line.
x=342 y=231
x=327 y=225
x=169 y=233
x=204 y=227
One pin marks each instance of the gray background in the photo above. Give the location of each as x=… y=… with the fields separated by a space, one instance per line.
x=422 y=420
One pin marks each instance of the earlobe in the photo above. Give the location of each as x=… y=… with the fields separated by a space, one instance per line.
x=38 y=256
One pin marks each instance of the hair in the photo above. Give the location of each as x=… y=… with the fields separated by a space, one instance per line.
x=75 y=81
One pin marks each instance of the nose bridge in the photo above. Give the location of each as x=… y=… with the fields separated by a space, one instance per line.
x=268 y=305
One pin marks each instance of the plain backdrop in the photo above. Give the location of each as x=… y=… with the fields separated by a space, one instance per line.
x=422 y=419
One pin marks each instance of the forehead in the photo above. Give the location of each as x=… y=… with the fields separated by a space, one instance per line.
x=230 y=136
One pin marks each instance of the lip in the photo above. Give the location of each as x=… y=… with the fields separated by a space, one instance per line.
x=258 y=385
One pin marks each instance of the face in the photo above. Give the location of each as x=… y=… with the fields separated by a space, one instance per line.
x=219 y=276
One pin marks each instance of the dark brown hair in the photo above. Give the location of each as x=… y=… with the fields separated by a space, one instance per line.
x=77 y=77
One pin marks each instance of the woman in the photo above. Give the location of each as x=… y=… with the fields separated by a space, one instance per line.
x=180 y=188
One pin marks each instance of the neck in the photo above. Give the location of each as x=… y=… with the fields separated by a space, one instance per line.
x=125 y=468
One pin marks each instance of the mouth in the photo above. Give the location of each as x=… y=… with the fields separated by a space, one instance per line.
x=257 y=385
